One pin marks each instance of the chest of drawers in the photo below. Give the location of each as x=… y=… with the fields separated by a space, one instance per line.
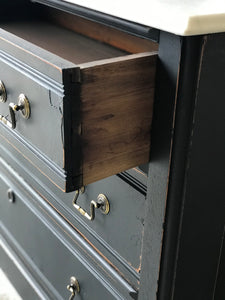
x=88 y=209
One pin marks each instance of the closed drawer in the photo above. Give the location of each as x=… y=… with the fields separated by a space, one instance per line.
x=90 y=104
x=117 y=236
x=49 y=250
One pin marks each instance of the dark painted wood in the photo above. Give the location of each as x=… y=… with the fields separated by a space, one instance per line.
x=219 y=284
x=48 y=101
x=21 y=7
x=17 y=272
x=162 y=133
x=186 y=89
x=13 y=145
x=185 y=178
x=39 y=59
x=203 y=213
x=121 y=248
x=67 y=91
x=183 y=246
x=50 y=248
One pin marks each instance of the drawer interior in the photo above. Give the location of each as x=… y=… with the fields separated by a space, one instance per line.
x=61 y=41
x=74 y=38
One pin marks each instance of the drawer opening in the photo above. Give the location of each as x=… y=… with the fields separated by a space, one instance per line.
x=74 y=38
x=108 y=80
x=61 y=41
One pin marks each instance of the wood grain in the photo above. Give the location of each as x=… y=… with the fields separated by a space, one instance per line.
x=107 y=100
x=116 y=113
x=65 y=43
x=100 y=32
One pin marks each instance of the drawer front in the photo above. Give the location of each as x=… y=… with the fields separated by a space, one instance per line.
x=46 y=105
x=51 y=251
x=46 y=82
x=121 y=230
x=118 y=235
x=89 y=112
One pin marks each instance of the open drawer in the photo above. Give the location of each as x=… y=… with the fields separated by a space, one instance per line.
x=80 y=109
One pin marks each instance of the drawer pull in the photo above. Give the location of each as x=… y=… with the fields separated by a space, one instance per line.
x=11 y=195
x=73 y=287
x=23 y=106
x=3 y=95
x=102 y=203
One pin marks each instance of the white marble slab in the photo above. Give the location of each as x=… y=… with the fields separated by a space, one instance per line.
x=182 y=17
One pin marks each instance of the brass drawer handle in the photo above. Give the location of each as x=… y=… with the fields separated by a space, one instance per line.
x=23 y=106
x=102 y=203
x=73 y=287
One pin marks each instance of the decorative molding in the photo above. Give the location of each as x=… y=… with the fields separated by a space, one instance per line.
x=32 y=73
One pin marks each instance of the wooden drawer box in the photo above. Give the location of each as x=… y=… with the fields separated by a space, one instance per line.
x=90 y=103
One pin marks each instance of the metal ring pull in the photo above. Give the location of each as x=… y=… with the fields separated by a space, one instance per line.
x=102 y=203
x=73 y=287
x=23 y=106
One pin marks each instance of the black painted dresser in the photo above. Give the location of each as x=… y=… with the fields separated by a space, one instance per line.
x=111 y=161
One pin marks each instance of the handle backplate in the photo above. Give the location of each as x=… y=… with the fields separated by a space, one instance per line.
x=102 y=203
x=73 y=287
x=23 y=106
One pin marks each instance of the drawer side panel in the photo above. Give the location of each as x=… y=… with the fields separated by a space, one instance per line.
x=116 y=104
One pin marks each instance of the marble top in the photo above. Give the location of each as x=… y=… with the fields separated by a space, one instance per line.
x=182 y=17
